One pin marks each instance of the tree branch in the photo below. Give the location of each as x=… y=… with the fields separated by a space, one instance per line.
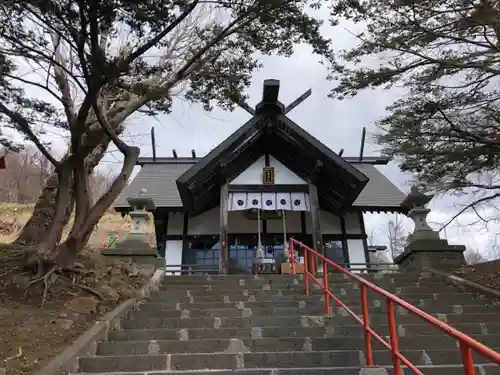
x=26 y=129
x=469 y=206
x=62 y=81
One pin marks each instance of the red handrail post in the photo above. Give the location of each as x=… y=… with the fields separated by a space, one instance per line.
x=366 y=325
x=467 y=359
x=306 y=272
x=291 y=255
x=393 y=334
x=326 y=288
x=312 y=263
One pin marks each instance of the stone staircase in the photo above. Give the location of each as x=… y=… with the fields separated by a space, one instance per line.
x=259 y=325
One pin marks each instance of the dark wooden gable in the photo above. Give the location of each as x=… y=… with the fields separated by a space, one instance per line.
x=271 y=132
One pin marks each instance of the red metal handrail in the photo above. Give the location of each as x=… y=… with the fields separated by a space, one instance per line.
x=467 y=343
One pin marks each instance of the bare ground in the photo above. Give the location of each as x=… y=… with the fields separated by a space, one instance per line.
x=32 y=334
x=487 y=273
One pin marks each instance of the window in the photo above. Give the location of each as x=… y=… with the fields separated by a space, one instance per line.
x=203 y=251
x=335 y=251
x=241 y=251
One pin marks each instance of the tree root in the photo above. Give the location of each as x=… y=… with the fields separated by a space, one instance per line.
x=86 y=288
x=48 y=280
x=91 y=291
x=18 y=355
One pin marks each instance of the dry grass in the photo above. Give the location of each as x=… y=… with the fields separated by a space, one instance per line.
x=111 y=223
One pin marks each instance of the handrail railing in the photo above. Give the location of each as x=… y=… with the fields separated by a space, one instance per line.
x=467 y=343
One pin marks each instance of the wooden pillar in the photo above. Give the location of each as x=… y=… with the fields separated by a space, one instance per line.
x=223 y=256
x=317 y=237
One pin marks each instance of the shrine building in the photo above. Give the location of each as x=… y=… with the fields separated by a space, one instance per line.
x=267 y=182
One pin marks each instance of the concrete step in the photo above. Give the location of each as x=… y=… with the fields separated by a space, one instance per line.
x=296 y=281
x=155 y=304
x=427 y=370
x=233 y=361
x=333 y=275
x=282 y=344
x=299 y=289
x=294 y=320
x=291 y=295
x=354 y=330
x=269 y=307
x=233 y=312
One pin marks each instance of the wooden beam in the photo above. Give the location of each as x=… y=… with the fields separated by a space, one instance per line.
x=297 y=101
x=317 y=237
x=362 y=147
x=246 y=107
x=223 y=256
x=270 y=91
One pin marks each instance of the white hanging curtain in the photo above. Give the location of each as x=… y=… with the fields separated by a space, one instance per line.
x=299 y=201
x=254 y=200
x=283 y=201
x=269 y=201
x=238 y=202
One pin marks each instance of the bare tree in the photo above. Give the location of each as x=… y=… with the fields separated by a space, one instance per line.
x=28 y=170
x=396 y=235
x=473 y=256
x=379 y=256
x=21 y=181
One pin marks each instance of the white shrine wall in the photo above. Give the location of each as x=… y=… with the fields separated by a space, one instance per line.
x=208 y=223
x=253 y=174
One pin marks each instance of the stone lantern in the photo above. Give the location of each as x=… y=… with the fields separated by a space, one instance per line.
x=136 y=245
x=139 y=215
x=424 y=247
x=416 y=202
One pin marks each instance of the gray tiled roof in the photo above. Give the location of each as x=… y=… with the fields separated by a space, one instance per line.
x=379 y=191
x=159 y=181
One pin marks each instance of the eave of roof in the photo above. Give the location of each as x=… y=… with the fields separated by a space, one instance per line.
x=159 y=179
x=373 y=160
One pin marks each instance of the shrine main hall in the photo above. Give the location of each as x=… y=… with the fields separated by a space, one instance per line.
x=267 y=182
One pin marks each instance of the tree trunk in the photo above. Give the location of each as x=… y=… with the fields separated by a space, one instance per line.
x=52 y=237
x=40 y=224
x=65 y=254
x=41 y=221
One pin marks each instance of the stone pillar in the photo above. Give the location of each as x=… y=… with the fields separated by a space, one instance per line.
x=424 y=246
x=136 y=247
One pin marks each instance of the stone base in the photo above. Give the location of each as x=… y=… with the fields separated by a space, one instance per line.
x=436 y=253
x=134 y=248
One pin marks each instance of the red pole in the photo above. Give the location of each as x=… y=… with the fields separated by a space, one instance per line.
x=326 y=288
x=312 y=262
x=306 y=272
x=393 y=334
x=366 y=325
x=291 y=255
x=467 y=359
